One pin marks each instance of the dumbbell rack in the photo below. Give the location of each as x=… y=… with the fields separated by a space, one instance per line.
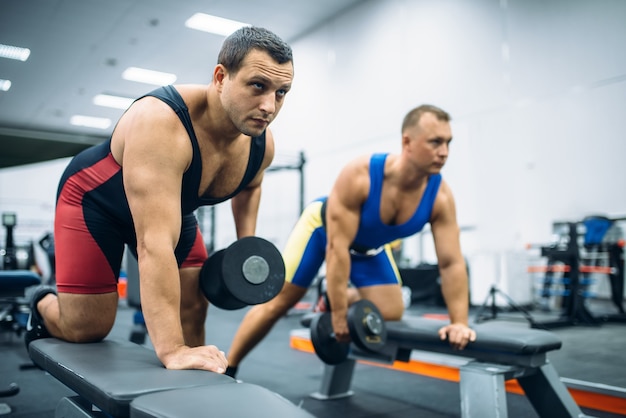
x=571 y=260
x=574 y=309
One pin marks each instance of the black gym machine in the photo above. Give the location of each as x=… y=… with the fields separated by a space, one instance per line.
x=9 y=261
x=577 y=260
x=13 y=307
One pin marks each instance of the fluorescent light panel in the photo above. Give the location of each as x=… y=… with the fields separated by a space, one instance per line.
x=213 y=24
x=14 y=52
x=141 y=75
x=90 y=122
x=115 y=102
x=5 y=85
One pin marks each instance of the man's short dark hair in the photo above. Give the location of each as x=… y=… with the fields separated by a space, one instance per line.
x=237 y=45
x=413 y=117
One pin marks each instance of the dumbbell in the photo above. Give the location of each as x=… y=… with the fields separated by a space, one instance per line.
x=367 y=331
x=248 y=272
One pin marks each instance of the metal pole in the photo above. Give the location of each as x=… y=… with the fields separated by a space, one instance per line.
x=301 y=170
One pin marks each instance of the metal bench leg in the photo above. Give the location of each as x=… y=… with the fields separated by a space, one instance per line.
x=336 y=381
x=76 y=407
x=548 y=394
x=482 y=390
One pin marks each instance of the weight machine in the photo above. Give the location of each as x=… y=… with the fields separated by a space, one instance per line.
x=577 y=261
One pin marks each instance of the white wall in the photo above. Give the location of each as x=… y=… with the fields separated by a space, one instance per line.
x=536 y=89
x=30 y=192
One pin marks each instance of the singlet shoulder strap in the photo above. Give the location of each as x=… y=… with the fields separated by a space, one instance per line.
x=169 y=95
x=377 y=175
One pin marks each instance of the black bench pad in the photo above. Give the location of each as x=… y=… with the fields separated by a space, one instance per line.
x=14 y=282
x=239 y=400
x=494 y=342
x=421 y=333
x=111 y=373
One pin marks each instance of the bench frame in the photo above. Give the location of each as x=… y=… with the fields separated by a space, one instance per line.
x=482 y=378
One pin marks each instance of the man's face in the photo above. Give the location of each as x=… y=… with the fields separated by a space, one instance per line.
x=253 y=96
x=428 y=143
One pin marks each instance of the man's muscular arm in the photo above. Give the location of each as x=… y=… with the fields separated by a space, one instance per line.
x=454 y=281
x=156 y=154
x=343 y=213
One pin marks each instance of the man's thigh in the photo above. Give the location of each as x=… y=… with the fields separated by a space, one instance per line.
x=387 y=298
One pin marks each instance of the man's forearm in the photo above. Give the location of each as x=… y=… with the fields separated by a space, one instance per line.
x=337 y=274
x=245 y=207
x=160 y=304
x=455 y=290
x=165 y=332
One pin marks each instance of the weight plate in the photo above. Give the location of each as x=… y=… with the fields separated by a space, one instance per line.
x=327 y=348
x=367 y=327
x=212 y=283
x=210 y=275
x=248 y=278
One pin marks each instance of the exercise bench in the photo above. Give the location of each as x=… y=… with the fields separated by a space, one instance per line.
x=14 y=314
x=116 y=378
x=13 y=284
x=498 y=354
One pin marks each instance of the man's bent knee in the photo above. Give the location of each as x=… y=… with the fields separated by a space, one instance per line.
x=392 y=313
x=86 y=318
x=388 y=300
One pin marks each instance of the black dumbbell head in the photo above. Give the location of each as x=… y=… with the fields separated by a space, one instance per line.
x=250 y=271
x=254 y=270
x=367 y=327
x=213 y=285
x=327 y=348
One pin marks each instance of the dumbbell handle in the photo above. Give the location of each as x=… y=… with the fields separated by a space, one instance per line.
x=372 y=323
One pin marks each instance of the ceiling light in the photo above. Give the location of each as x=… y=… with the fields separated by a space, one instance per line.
x=213 y=24
x=148 y=76
x=115 y=102
x=5 y=85
x=90 y=122
x=14 y=52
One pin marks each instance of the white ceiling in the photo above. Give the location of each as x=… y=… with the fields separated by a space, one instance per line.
x=79 y=48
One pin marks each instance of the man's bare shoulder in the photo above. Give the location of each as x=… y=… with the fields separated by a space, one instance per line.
x=358 y=165
x=353 y=180
x=444 y=201
x=148 y=114
x=148 y=125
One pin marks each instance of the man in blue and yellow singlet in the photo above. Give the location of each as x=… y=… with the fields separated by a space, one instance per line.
x=375 y=200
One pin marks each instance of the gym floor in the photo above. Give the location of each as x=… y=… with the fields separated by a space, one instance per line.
x=592 y=357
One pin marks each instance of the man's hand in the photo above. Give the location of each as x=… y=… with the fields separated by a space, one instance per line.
x=206 y=357
x=458 y=335
x=340 y=327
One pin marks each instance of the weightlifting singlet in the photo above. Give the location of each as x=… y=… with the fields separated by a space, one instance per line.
x=305 y=250
x=372 y=232
x=93 y=220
